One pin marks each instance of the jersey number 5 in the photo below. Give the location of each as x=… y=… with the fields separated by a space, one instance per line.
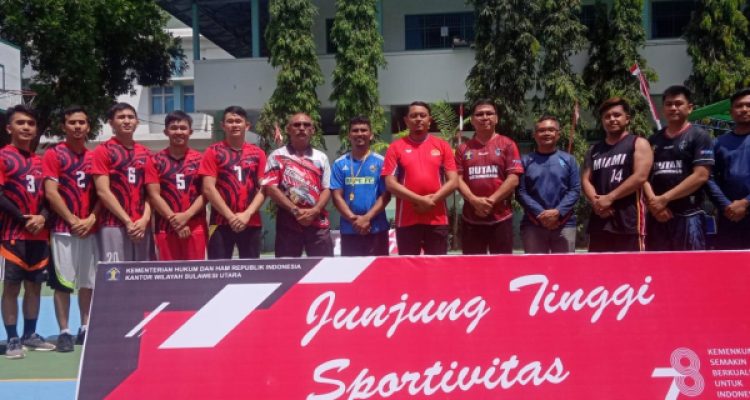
x=179 y=180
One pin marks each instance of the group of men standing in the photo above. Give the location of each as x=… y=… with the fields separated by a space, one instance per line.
x=62 y=213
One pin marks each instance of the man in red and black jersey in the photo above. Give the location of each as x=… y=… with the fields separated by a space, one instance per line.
x=614 y=172
x=69 y=189
x=174 y=189
x=119 y=168
x=232 y=171
x=23 y=242
x=488 y=168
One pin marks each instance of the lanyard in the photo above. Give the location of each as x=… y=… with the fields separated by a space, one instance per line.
x=351 y=164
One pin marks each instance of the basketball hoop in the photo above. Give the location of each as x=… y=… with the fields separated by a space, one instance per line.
x=11 y=97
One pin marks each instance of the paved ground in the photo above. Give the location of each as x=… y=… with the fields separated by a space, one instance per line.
x=43 y=376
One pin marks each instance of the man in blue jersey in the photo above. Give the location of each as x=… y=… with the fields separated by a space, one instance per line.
x=729 y=185
x=360 y=195
x=548 y=193
x=683 y=156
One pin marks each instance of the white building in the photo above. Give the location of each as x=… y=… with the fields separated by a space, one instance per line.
x=10 y=75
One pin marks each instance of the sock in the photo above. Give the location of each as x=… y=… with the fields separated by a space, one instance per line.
x=11 y=331
x=84 y=328
x=29 y=327
x=63 y=331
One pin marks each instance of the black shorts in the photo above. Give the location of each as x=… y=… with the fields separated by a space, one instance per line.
x=495 y=239
x=608 y=242
x=413 y=239
x=374 y=244
x=25 y=260
x=316 y=242
x=223 y=240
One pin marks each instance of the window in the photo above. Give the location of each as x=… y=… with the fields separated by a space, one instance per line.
x=670 y=18
x=162 y=100
x=188 y=98
x=438 y=31
x=588 y=17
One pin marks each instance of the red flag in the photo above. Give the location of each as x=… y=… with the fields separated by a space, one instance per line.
x=635 y=70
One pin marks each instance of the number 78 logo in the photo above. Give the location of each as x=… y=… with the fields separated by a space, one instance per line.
x=686 y=379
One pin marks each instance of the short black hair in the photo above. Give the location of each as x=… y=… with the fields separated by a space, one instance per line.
x=20 y=109
x=548 y=117
x=119 y=107
x=178 y=115
x=234 y=110
x=738 y=94
x=483 y=102
x=70 y=110
x=360 y=120
x=421 y=104
x=676 y=90
x=614 y=102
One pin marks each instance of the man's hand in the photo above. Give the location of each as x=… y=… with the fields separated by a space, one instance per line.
x=178 y=220
x=306 y=216
x=657 y=204
x=236 y=223
x=550 y=219
x=482 y=206
x=602 y=206
x=663 y=215
x=137 y=230
x=184 y=233
x=85 y=226
x=34 y=223
x=736 y=211
x=424 y=204
x=361 y=224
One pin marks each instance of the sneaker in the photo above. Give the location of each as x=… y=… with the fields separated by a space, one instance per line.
x=80 y=337
x=14 y=349
x=65 y=343
x=37 y=343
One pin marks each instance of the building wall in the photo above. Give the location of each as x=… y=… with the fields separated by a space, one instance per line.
x=10 y=74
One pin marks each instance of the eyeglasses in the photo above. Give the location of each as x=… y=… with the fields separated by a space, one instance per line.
x=306 y=125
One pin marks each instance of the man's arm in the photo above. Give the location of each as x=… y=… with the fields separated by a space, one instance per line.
x=253 y=208
x=688 y=186
x=340 y=204
x=60 y=208
x=306 y=216
x=108 y=200
x=450 y=185
x=214 y=197
x=158 y=202
x=506 y=189
x=482 y=205
x=643 y=158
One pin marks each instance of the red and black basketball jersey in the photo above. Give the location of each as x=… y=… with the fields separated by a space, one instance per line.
x=179 y=183
x=610 y=166
x=21 y=179
x=238 y=174
x=126 y=169
x=72 y=172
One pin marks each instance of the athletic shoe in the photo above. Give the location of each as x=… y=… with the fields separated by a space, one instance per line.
x=14 y=349
x=80 y=337
x=37 y=343
x=65 y=343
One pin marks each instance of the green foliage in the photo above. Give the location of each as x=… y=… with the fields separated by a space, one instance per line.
x=88 y=52
x=561 y=35
x=717 y=38
x=359 y=53
x=616 y=38
x=446 y=119
x=506 y=50
x=290 y=42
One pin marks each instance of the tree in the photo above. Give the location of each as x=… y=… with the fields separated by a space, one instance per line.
x=717 y=35
x=620 y=35
x=292 y=49
x=561 y=35
x=359 y=53
x=506 y=50
x=88 y=52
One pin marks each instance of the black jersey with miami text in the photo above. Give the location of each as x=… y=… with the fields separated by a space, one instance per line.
x=674 y=160
x=610 y=166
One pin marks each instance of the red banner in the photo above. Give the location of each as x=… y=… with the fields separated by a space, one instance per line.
x=606 y=326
